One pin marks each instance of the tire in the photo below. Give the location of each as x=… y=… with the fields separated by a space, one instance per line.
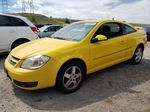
x=70 y=77
x=138 y=55
x=17 y=43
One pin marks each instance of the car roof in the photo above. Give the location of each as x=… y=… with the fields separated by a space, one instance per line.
x=12 y=15
x=20 y=17
x=100 y=21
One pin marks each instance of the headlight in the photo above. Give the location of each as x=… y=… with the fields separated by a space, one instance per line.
x=34 y=62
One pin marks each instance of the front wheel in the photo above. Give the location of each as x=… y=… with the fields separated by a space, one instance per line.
x=17 y=43
x=138 y=55
x=70 y=77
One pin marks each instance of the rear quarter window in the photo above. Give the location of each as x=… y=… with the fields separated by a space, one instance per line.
x=17 y=22
x=11 y=21
x=127 y=29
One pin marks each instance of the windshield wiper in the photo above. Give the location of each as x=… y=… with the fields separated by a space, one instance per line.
x=59 y=38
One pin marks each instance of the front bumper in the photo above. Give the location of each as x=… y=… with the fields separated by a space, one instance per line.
x=32 y=79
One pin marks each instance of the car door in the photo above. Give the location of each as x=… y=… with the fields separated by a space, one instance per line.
x=7 y=33
x=111 y=51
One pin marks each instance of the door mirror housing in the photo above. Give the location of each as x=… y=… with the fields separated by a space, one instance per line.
x=46 y=30
x=99 y=38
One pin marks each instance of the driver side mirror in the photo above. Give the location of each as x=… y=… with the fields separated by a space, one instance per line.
x=99 y=38
x=46 y=30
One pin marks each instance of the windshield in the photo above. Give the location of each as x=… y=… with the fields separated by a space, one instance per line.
x=43 y=28
x=74 y=32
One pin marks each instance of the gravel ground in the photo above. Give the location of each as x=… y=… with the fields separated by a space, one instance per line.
x=121 y=88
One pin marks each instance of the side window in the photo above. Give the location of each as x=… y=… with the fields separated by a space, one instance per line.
x=52 y=28
x=17 y=21
x=4 y=21
x=58 y=27
x=110 y=30
x=127 y=29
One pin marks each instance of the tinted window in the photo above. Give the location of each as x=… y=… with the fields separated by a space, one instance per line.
x=58 y=27
x=4 y=21
x=52 y=28
x=17 y=21
x=11 y=21
x=110 y=30
x=127 y=29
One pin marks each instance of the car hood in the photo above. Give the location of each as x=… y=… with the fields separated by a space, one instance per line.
x=45 y=46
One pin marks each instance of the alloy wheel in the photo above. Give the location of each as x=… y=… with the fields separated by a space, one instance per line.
x=72 y=77
x=138 y=55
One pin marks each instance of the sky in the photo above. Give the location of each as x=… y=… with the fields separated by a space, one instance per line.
x=135 y=11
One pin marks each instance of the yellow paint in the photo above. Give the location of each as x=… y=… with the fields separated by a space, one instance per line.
x=96 y=56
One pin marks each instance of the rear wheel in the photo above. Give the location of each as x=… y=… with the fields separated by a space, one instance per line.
x=70 y=77
x=138 y=55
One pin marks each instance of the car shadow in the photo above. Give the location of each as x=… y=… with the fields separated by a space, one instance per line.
x=98 y=86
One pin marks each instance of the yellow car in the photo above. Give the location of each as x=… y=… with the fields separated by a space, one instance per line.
x=71 y=53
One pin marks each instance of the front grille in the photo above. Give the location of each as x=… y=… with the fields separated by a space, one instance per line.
x=17 y=59
x=13 y=60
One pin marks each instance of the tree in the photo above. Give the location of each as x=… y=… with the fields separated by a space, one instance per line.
x=67 y=21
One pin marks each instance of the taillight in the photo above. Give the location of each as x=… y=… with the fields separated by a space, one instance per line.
x=34 y=29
